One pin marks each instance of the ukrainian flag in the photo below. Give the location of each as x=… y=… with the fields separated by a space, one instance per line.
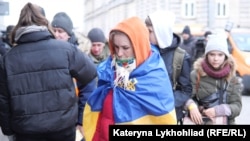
x=151 y=101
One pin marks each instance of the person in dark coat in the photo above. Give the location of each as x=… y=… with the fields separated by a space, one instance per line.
x=166 y=42
x=188 y=42
x=38 y=101
x=99 y=50
x=63 y=28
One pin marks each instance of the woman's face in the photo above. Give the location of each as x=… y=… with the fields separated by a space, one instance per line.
x=152 y=37
x=216 y=58
x=123 y=47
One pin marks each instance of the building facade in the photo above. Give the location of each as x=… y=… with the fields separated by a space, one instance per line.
x=208 y=14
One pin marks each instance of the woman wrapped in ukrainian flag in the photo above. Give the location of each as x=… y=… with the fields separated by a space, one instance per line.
x=133 y=85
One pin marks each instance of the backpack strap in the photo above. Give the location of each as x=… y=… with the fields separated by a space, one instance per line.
x=179 y=54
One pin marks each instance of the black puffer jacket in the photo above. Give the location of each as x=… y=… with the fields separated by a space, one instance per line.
x=37 y=92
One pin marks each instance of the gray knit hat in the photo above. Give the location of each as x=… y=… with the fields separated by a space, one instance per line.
x=62 y=20
x=96 y=35
x=217 y=42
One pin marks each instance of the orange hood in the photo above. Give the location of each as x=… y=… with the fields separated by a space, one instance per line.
x=138 y=34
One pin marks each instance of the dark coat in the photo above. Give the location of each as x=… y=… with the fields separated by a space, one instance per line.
x=4 y=47
x=37 y=90
x=184 y=90
x=84 y=91
x=189 y=45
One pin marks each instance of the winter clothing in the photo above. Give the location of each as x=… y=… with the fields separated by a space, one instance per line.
x=96 y=35
x=4 y=48
x=199 y=49
x=200 y=46
x=62 y=20
x=223 y=72
x=78 y=40
x=109 y=103
x=65 y=135
x=163 y=30
x=168 y=32
x=209 y=85
x=102 y=57
x=39 y=70
x=84 y=44
x=218 y=43
x=84 y=91
x=189 y=44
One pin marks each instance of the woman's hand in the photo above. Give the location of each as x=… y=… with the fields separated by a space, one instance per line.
x=210 y=112
x=195 y=115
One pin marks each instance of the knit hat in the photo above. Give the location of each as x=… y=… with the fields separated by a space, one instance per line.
x=186 y=30
x=62 y=20
x=217 y=42
x=96 y=35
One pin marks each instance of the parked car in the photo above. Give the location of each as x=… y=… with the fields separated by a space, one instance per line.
x=239 y=47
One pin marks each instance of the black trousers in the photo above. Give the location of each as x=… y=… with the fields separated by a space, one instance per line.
x=68 y=134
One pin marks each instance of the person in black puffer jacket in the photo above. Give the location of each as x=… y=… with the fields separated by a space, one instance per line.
x=62 y=26
x=37 y=98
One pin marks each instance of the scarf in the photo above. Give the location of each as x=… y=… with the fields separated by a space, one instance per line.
x=123 y=69
x=223 y=72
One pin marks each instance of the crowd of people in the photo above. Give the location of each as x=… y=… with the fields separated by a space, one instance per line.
x=54 y=80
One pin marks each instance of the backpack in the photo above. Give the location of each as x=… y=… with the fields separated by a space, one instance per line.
x=179 y=54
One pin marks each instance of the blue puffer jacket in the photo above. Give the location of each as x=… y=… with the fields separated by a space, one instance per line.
x=37 y=91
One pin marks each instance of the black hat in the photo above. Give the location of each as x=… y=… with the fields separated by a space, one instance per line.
x=62 y=20
x=96 y=35
x=186 y=30
x=207 y=33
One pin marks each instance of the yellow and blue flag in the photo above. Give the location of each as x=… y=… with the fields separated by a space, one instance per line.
x=149 y=101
